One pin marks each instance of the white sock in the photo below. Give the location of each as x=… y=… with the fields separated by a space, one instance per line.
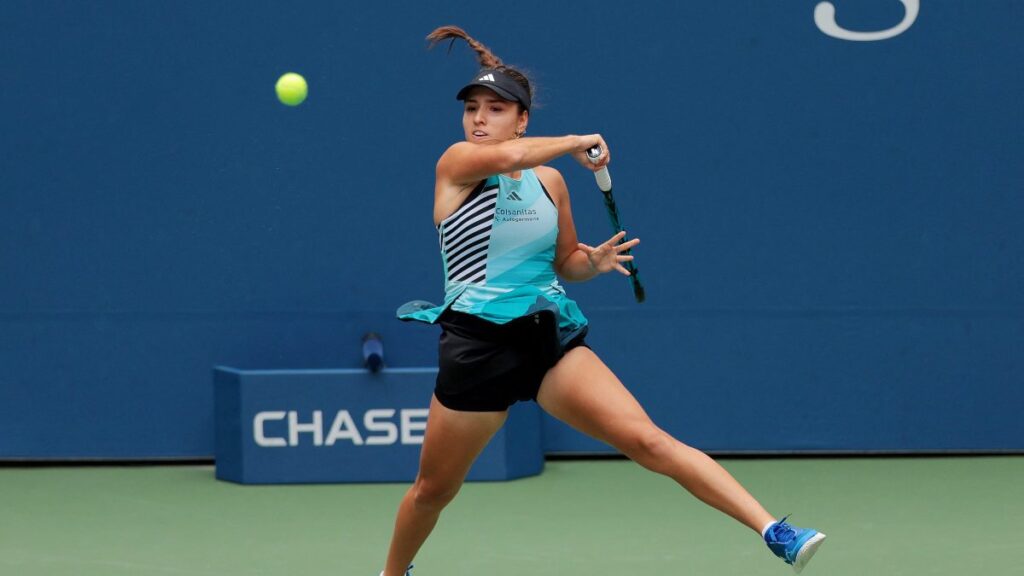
x=766 y=527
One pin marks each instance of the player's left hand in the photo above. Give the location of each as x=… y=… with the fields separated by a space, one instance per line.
x=609 y=256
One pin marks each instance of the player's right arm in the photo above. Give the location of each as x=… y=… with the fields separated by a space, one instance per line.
x=467 y=163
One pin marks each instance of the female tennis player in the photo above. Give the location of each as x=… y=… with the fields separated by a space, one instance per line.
x=510 y=333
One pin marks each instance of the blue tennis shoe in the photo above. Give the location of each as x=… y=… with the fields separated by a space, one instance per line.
x=408 y=571
x=794 y=545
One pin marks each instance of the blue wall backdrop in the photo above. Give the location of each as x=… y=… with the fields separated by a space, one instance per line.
x=831 y=229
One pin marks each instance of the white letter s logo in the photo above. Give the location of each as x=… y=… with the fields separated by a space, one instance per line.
x=825 y=18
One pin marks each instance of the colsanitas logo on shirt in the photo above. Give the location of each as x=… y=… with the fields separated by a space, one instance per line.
x=520 y=215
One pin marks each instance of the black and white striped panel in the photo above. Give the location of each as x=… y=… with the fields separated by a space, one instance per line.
x=466 y=235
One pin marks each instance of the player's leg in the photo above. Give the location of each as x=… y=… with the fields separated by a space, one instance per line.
x=582 y=392
x=451 y=443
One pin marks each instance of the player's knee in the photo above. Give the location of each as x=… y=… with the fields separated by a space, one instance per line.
x=431 y=493
x=651 y=446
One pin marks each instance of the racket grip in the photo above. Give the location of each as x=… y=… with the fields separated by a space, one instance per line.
x=603 y=177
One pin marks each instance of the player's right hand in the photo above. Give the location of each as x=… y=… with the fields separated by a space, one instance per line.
x=586 y=143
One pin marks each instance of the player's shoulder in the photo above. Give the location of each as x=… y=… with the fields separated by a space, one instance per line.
x=456 y=149
x=550 y=177
x=547 y=171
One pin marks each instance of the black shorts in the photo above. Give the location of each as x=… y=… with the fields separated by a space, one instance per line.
x=487 y=367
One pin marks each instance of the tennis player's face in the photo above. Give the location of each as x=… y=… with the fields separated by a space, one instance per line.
x=489 y=118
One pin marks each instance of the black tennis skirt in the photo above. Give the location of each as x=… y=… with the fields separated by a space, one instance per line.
x=487 y=367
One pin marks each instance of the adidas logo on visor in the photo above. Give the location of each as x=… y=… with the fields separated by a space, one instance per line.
x=486 y=78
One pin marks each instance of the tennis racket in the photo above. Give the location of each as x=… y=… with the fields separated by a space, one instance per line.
x=604 y=182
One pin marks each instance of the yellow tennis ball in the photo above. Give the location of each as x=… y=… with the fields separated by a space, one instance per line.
x=291 y=89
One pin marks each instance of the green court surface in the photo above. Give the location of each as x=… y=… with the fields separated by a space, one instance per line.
x=891 y=516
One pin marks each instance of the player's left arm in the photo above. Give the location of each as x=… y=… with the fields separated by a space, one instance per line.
x=571 y=263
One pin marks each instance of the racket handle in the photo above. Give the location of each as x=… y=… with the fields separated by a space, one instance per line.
x=604 y=179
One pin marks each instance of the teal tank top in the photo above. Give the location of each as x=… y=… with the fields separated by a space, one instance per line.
x=498 y=252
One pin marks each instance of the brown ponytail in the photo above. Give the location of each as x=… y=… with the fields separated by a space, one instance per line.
x=484 y=55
